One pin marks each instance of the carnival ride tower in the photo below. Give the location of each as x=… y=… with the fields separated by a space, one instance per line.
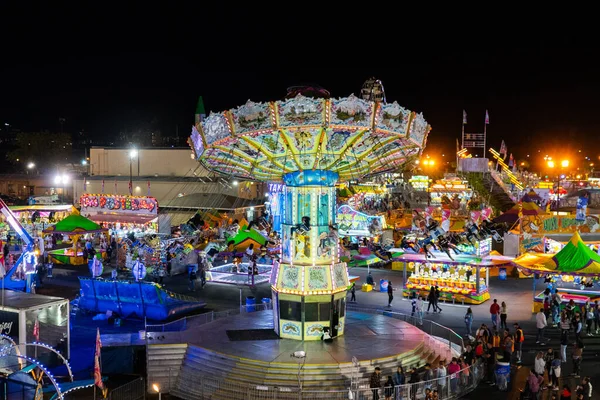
x=309 y=145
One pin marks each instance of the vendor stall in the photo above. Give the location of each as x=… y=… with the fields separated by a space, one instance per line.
x=572 y=272
x=122 y=214
x=37 y=217
x=459 y=280
x=74 y=226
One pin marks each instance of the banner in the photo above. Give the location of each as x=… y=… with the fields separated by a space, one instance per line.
x=108 y=202
x=486 y=213
x=446 y=220
x=475 y=216
x=581 y=212
x=355 y=223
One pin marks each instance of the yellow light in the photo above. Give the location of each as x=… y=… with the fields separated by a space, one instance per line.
x=425 y=162
x=565 y=163
x=578 y=176
x=592 y=164
x=431 y=162
x=156 y=388
x=550 y=164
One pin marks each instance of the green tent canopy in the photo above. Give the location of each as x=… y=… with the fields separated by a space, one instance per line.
x=75 y=223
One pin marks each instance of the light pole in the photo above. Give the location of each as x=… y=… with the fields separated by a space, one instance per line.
x=61 y=180
x=133 y=153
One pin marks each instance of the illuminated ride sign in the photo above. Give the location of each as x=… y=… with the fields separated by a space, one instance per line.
x=355 y=223
x=102 y=203
x=483 y=247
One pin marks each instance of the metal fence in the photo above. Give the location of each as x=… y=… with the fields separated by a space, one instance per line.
x=448 y=387
x=134 y=390
x=185 y=323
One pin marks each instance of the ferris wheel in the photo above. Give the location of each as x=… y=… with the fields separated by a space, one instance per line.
x=372 y=90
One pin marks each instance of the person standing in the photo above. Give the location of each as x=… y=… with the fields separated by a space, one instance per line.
x=556 y=371
x=535 y=382
x=353 y=293
x=539 y=364
x=564 y=342
x=390 y=291
x=589 y=319
x=586 y=388
x=577 y=356
x=441 y=377
x=503 y=315
x=413 y=305
x=519 y=339
x=541 y=323
x=597 y=316
x=494 y=312
x=420 y=310
x=578 y=327
x=469 y=321
x=375 y=383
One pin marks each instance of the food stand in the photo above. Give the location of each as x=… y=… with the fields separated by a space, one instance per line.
x=121 y=214
x=459 y=280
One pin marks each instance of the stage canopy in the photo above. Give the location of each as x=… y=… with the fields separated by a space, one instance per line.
x=575 y=258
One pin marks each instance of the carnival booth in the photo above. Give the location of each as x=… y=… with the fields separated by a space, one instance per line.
x=462 y=280
x=572 y=272
x=122 y=214
x=74 y=226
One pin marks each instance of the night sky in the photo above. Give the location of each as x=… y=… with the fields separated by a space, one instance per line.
x=106 y=71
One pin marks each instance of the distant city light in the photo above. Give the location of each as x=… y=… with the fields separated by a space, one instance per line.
x=30 y=165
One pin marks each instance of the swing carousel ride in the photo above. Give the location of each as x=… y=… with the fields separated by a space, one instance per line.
x=309 y=144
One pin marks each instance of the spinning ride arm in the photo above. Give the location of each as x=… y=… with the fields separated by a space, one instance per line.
x=18 y=228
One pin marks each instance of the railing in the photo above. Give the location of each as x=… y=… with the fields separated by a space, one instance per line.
x=185 y=323
x=454 y=340
x=133 y=390
x=448 y=387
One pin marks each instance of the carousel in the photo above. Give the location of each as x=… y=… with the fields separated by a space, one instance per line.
x=572 y=273
x=309 y=145
x=74 y=226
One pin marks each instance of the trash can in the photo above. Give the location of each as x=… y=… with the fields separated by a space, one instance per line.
x=502 y=375
x=250 y=304
x=267 y=302
x=383 y=285
x=502 y=274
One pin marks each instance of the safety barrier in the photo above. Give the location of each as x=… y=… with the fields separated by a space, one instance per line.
x=134 y=390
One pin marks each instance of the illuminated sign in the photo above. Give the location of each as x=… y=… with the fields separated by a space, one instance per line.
x=355 y=223
x=112 y=203
x=483 y=247
x=196 y=143
x=276 y=187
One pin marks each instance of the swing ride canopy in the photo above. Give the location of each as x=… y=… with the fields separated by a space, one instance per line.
x=349 y=136
x=75 y=224
x=575 y=258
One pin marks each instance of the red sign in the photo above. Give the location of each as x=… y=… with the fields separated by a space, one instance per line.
x=109 y=203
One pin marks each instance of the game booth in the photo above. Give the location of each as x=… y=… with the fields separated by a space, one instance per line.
x=74 y=226
x=461 y=279
x=572 y=272
x=122 y=214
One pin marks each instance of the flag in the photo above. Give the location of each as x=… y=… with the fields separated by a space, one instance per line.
x=503 y=149
x=487 y=117
x=102 y=185
x=464 y=117
x=36 y=330
x=97 y=373
x=148 y=188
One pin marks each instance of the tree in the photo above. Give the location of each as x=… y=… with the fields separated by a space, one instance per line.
x=45 y=149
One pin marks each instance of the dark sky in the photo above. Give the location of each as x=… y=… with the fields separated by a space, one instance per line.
x=104 y=70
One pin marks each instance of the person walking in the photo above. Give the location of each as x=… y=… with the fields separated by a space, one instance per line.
x=535 y=382
x=556 y=371
x=375 y=383
x=578 y=328
x=519 y=339
x=437 y=299
x=353 y=293
x=577 y=356
x=494 y=312
x=390 y=291
x=597 y=316
x=541 y=323
x=469 y=321
x=503 y=315
x=564 y=342
x=431 y=299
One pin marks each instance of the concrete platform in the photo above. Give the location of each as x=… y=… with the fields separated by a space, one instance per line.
x=368 y=337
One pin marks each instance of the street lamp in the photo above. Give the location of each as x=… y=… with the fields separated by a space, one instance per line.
x=61 y=180
x=564 y=163
x=133 y=153
x=156 y=388
x=30 y=165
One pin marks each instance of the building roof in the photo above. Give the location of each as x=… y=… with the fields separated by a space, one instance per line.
x=15 y=300
x=209 y=201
